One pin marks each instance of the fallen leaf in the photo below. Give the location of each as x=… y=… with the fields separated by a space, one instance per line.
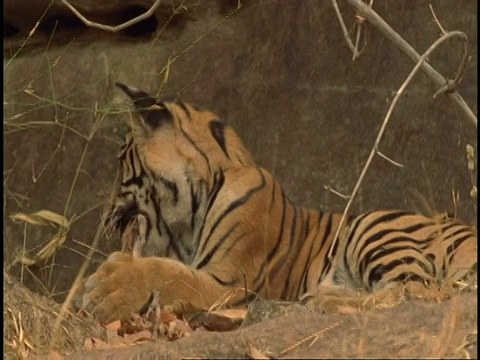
x=231 y=313
x=53 y=355
x=43 y=217
x=112 y=336
x=215 y=322
x=167 y=317
x=96 y=344
x=114 y=325
x=177 y=329
x=128 y=327
x=88 y=344
x=347 y=310
x=139 y=336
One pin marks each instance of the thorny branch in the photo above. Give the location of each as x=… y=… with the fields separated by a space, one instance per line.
x=116 y=28
x=448 y=87
x=374 y=150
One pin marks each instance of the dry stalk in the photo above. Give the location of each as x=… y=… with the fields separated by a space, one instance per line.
x=30 y=34
x=184 y=87
x=452 y=85
x=336 y=192
x=77 y=282
x=74 y=182
x=471 y=165
x=179 y=9
x=435 y=18
x=314 y=337
x=374 y=150
x=116 y=28
x=368 y=13
x=226 y=297
x=449 y=324
x=166 y=68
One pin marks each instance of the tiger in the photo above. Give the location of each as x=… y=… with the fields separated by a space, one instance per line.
x=211 y=221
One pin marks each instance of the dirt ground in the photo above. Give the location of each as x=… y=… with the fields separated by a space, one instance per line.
x=413 y=329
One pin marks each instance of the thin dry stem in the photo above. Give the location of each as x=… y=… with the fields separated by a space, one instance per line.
x=179 y=9
x=314 y=337
x=70 y=194
x=166 y=68
x=442 y=30
x=226 y=297
x=367 y=12
x=59 y=146
x=336 y=192
x=447 y=330
x=374 y=150
x=30 y=34
x=388 y=159
x=64 y=309
x=195 y=77
x=116 y=28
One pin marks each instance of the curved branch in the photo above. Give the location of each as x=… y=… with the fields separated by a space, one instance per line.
x=116 y=28
x=395 y=38
x=353 y=48
x=399 y=93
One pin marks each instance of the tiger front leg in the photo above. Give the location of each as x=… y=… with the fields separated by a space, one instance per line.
x=122 y=285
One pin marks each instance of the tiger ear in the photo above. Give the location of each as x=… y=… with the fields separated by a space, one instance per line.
x=153 y=112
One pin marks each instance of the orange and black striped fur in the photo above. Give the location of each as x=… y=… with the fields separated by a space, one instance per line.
x=212 y=221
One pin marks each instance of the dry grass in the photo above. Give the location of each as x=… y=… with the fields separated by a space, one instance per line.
x=396 y=327
x=28 y=323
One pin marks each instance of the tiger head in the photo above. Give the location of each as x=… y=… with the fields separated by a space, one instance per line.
x=170 y=164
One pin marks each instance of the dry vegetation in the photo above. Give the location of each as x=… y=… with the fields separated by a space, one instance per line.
x=390 y=325
x=412 y=329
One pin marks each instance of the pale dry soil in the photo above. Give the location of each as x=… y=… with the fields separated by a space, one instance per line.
x=413 y=329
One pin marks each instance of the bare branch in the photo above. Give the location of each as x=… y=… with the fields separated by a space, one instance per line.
x=452 y=85
x=358 y=23
x=344 y=28
x=78 y=279
x=374 y=150
x=116 y=28
x=393 y=36
x=388 y=159
x=436 y=19
x=336 y=192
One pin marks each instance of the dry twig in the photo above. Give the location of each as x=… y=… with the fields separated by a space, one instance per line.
x=359 y=23
x=116 y=28
x=314 y=337
x=452 y=85
x=443 y=31
x=374 y=150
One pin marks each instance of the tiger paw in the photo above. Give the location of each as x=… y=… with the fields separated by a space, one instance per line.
x=117 y=289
